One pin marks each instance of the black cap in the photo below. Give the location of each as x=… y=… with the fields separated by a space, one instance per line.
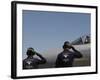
x=66 y=44
x=30 y=51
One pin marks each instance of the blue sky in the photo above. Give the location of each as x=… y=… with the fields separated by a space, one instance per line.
x=43 y=30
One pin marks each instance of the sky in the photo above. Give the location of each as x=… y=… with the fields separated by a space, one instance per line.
x=45 y=30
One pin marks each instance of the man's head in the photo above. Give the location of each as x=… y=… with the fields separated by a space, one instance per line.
x=66 y=45
x=30 y=51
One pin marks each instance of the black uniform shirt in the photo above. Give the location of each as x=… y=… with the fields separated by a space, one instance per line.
x=30 y=63
x=66 y=58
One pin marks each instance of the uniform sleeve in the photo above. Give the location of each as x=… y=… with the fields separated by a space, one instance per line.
x=77 y=55
x=42 y=60
x=24 y=64
x=58 y=61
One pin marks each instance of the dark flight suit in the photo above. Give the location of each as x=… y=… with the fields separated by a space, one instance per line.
x=32 y=63
x=66 y=58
